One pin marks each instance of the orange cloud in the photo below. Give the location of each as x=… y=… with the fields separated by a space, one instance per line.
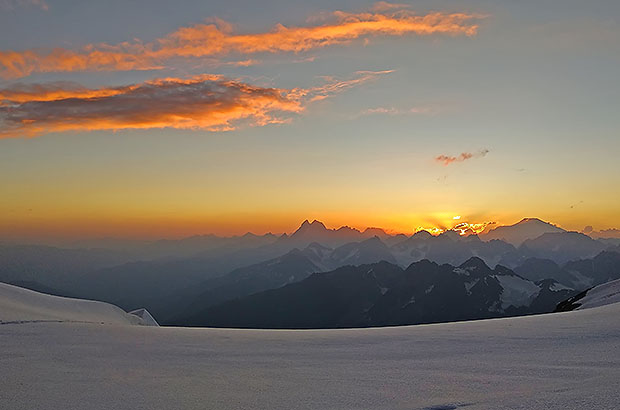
x=464 y=156
x=21 y=93
x=206 y=102
x=217 y=39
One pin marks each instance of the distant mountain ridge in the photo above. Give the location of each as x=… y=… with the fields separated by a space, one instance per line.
x=168 y=285
x=383 y=294
x=315 y=231
x=527 y=228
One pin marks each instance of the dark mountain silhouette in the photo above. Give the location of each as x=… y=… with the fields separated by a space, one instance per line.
x=166 y=285
x=53 y=267
x=536 y=269
x=316 y=231
x=385 y=294
x=357 y=253
x=527 y=228
x=579 y=274
x=449 y=247
x=207 y=245
x=289 y=268
x=192 y=246
x=604 y=267
x=562 y=247
x=271 y=274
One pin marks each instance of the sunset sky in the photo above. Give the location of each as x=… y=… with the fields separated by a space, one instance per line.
x=165 y=119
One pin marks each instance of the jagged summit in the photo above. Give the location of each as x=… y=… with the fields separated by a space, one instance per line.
x=474 y=263
x=314 y=225
x=316 y=231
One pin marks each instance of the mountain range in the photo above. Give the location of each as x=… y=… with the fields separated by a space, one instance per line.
x=383 y=294
x=199 y=273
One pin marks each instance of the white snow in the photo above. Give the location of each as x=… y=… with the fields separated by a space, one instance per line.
x=557 y=361
x=601 y=295
x=517 y=291
x=147 y=319
x=461 y=271
x=23 y=305
x=556 y=287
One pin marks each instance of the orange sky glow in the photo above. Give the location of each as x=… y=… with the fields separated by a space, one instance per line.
x=397 y=116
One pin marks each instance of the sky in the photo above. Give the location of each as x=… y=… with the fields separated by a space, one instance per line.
x=149 y=119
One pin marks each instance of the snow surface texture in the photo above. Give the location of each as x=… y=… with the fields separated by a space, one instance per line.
x=557 y=361
x=23 y=305
x=601 y=295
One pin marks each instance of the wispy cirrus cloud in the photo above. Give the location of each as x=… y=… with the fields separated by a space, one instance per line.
x=217 y=38
x=333 y=85
x=205 y=102
x=384 y=5
x=14 y=4
x=417 y=110
x=463 y=156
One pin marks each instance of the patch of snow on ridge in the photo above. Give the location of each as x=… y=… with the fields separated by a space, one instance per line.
x=19 y=305
x=556 y=287
x=601 y=295
x=461 y=271
x=517 y=291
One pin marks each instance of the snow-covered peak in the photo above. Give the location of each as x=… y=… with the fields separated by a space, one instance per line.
x=19 y=305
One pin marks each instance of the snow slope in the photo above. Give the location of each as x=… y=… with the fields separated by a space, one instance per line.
x=516 y=290
x=23 y=305
x=147 y=319
x=601 y=295
x=556 y=361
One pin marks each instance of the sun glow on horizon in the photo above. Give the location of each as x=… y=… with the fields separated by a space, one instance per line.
x=367 y=116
